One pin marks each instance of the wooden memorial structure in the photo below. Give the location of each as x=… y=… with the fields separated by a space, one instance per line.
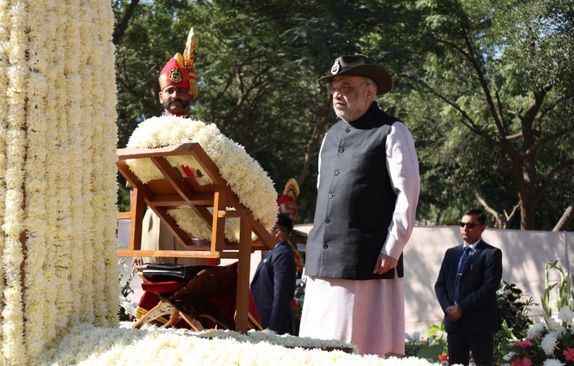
x=174 y=190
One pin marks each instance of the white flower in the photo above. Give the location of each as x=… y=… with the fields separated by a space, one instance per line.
x=566 y=314
x=552 y=362
x=508 y=357
x=535 y=331
x=89 y=345
x=554 y=326
x=549 y=342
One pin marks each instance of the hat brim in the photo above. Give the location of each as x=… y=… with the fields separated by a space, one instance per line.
x=375 y=73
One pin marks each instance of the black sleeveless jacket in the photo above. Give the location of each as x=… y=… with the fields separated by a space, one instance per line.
x=355 y=200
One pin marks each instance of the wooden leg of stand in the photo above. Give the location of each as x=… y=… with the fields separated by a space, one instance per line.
x=173 y=318
x=194 y=324
x=149 y=315
x=242 y=290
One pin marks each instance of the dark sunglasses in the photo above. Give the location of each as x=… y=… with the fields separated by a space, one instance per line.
x=470 y=225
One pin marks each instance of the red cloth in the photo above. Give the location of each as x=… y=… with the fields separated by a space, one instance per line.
x=224 y=301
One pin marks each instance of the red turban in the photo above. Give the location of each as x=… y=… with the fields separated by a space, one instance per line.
x=179 y=69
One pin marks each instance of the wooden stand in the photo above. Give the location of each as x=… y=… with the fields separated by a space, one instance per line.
x=173 y=191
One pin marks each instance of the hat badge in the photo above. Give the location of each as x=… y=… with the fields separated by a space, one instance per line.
x=175 y=76
x=336 y=67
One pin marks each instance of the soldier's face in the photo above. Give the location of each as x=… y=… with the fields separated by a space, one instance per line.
x=175 y=100
x=352 y=96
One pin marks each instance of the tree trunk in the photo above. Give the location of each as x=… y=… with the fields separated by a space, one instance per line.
x=316 y=135
x=123 y=24
x=566 y=215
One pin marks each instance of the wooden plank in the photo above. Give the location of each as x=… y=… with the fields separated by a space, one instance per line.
x=175 y=200
x=208 y=165
x=169 y=253
x=242 y=299
x=142 y=152
x=172 y=176
x=218 y=223
x=124 y=215
x=137 y=212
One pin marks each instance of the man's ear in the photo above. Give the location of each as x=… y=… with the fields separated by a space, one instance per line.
x=371 y=91
x=159 y=96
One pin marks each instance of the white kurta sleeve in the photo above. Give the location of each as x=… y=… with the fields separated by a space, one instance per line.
x=319 y=161
x=403 y=168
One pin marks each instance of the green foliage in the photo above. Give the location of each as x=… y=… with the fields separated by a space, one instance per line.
x=466 y=75
x=124 y=313
x=564 y=288
x=501 y=74
x=257 y=65
x=514 y=310
x=436 y=335
x=553 y=338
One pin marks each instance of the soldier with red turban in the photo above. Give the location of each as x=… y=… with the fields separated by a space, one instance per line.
x=178 y=89
x=177 y=81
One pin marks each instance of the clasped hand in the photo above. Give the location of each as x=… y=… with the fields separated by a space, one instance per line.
x=454 y=313
x=384 y=264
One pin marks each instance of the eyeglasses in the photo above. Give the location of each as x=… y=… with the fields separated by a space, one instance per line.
x=470 y=225
x=343 y=88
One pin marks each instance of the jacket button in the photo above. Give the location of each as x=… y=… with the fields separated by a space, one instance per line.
x=337 y=172
x=327 y=221
x=330 y=195
x=341 y=150
x=325 y=246
x=347 y=130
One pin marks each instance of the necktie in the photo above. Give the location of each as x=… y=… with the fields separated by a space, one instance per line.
x=461 y=265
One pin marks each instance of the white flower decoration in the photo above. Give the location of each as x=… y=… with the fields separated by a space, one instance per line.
x=566 y=315
x=549 y=342
x=554 y=325
x=536 y=330
x=552 y=362
x=244 y=175
x=88 y=345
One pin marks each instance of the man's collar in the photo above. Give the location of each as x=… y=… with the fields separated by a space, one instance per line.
x=473 y=245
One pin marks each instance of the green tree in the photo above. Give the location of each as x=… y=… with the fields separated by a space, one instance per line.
x=257 y=66
x=484 y=86
x=502 y=71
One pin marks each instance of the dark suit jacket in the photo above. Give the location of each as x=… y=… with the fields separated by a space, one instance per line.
x=479 y=282
x=273 y=286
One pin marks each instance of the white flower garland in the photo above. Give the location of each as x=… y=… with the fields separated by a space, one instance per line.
x=35 y=184
x=13 y=347
x=104 y=145
x=77 y=80
x=4 y=39
x=86 y=345
x=243 y=174
x=58 y=115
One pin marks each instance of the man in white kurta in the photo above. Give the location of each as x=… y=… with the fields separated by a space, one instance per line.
x=366 y=205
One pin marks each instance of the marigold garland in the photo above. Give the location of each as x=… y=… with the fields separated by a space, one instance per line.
x=244 y=175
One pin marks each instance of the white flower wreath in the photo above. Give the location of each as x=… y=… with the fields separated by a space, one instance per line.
x=244 y=175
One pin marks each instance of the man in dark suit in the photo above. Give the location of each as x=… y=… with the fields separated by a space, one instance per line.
x=273 y=284
x=466 y=290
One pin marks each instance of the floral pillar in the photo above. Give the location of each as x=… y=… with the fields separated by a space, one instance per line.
x=57 y=172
